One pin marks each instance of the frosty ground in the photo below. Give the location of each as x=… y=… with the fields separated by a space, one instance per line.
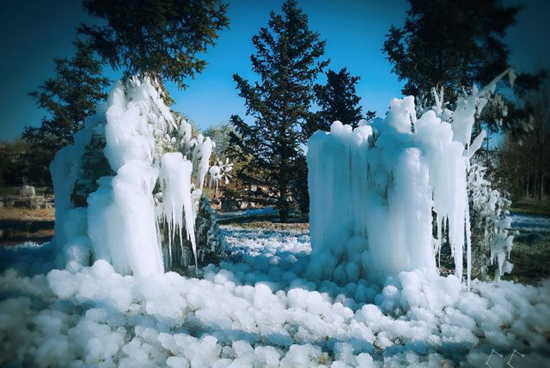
x=257 y=309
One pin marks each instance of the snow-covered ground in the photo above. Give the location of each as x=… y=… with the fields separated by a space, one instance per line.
x=257 y=309
x=528 y=223
x=252 y=212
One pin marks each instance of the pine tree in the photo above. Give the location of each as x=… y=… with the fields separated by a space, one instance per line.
x=338 y=100
x=69 y=98
x=524 y=159
x=221 y=135
x=162 y=38
x=449 y=44
x=14 y=168
x=287 y=63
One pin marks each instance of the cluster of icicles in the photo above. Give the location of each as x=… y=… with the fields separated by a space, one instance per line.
x=375 y=190
x=160 y=171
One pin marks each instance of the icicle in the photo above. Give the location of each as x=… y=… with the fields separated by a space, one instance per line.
x=468 y=246
x=175 y=178
x=205 y=152
x=512 y=75
x=490 y=88
x=439 y=223
x=476 y=145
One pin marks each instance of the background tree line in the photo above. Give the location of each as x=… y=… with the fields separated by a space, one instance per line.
x=164 y=39
x=453 y=45
x=442 y=44
x=524 y=159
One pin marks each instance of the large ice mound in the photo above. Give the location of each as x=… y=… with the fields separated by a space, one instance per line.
x=260 y=311
x=386 y=195
x=129 y=189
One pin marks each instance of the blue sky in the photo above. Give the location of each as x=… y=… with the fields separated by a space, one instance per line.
x=32 y=33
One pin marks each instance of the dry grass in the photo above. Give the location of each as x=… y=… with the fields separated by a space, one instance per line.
x=25 y=214
x=269 y=225
x=18 y=225
x=532 y=206
x=531 y=260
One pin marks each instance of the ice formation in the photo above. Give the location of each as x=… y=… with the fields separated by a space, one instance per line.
x=492 y=222
x=220 y=172
x=177 y=204
x=376 y=190
x=134 y=170
x=259 y=310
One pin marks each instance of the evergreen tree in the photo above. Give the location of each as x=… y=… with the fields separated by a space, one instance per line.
x=221 y=135
x=524 y=159
x=449 y=44
x=14 y=168
x=287 y=62
x=69 y=98
x=163 y=38
x=338 y=100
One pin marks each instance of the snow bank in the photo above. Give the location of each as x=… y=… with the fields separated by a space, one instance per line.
x=259 y=309
x=379 y=191
x=527 y=223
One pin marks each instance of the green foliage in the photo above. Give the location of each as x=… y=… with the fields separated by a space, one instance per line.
x=449 y=44
x=94 y=166
x=69 y=98
x=14 y=168
x=163 y=38
x=229 y=192
x=338 y=100
x=210 y=243
x=287 y=63
x=524 y=157
x=221 y=135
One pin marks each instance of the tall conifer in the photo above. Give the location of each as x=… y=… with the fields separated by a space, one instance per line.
x=338 y=100
x=287 y=62
x=69 y=98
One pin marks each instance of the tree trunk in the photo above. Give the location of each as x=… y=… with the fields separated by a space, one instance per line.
x=283 y=202
x=540 y=186
x=531 y=185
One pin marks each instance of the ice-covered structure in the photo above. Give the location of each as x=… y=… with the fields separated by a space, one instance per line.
x=129 y=189
x=385 y=196
x=491 y=224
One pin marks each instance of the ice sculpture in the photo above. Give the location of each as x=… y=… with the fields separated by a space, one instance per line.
x=383 y=195
x=129 y=189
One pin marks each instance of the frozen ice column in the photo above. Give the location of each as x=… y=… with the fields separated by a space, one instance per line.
x=128 y=190
x=385 y=196
x=370 y=193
